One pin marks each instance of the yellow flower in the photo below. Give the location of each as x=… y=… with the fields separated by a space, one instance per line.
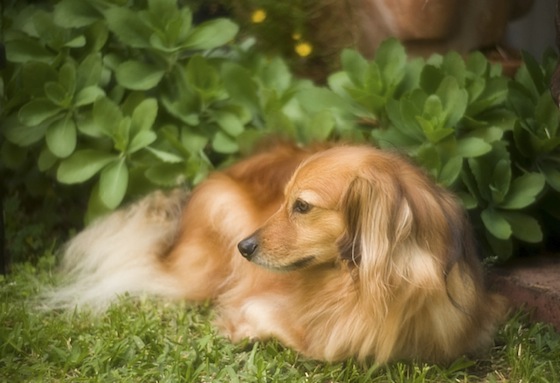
x=303 y=49
x=258 y=16
x=296 y=36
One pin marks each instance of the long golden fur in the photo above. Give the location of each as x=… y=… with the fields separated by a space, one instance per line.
x=338 y=252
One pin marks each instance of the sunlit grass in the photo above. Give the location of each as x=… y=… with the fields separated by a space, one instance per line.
x=152 y=341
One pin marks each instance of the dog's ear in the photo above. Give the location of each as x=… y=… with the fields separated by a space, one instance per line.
x=377 y=217
x=406 y=234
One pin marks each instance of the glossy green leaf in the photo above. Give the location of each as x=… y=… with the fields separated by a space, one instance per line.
x=500 y=182
x=430 y=78
x=128 y=27
x=34 y=76
x=524 y=227
x=144 y=115
x=211 y=34
x=523 y=191
x=491 y=172
x=67 y=77
x=276 y=75
x=76 y=42
x=193 y=140
x=51 y=35
x=476 y=63
x=430 y=159
x=503 y=248
x=552 y=175
x=241 y=86
x=87 y=126
x=137 y=75
x=89 y=71
x=454 y=100
x=21 y=135
x=495 y=94
x=162 y=11
x=166 y=175
x=57 y=94
x=121 y=135
x=96 y=208
x=25 y=50
x=453 y=65
x=106 y=115
x=171 y=25
x=355 y=66
x=141 y=140
x=164 y=156
x=403 y=115
x=97 y=36
x=82 y=165
x=537 y=85
x=391 y=58
x=469 y=147
x=88 y=95
x=61 y=136
x=475 y=88
x=228 y=122
x=222 y=143
x=37 y=111
x=489 y=134
x=496 y=224
x=75 y=13
x=320 y=127
x=113 y=183
x=315 y=100
x=46 y=160
x=202 y=76
x=450 y=171
x=468 y=200
x=547 y=114
x=339 y=83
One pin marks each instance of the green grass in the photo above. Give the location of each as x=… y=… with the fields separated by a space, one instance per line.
x=151 y=341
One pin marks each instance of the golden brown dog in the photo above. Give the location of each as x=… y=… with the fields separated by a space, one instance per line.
x=338 y=252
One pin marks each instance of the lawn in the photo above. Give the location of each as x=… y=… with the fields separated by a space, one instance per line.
x=153 y=341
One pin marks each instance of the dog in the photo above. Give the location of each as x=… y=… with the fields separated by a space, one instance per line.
x=338 y=251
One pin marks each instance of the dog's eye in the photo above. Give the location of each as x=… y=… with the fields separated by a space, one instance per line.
x=301 y=206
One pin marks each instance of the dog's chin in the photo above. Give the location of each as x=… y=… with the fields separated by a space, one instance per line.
x=279 y=267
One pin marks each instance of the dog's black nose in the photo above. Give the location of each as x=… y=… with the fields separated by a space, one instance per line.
x=248 y=246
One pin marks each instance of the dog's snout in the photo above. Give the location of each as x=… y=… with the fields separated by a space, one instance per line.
x=248 y=246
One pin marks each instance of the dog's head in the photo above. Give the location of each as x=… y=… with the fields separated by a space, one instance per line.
x=368 y=208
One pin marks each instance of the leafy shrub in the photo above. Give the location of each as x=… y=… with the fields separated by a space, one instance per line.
x=117 y=98
x=491 y=139
x=130 y=96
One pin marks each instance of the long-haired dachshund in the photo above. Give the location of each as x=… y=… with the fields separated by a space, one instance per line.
x=338 y=252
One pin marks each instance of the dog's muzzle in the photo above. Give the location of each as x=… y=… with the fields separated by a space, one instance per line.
x=248 y=247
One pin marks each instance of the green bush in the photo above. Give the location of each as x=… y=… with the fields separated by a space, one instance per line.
x=131 y=96
x=120 y=97
x=492 y=139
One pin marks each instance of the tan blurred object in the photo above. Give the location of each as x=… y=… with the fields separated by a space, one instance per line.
x=424 y=26
x=427 y=26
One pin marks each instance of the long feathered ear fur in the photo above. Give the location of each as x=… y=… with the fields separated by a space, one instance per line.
x=416 y=265
x=378 y=220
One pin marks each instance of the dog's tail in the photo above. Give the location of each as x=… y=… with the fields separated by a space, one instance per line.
x=121 y=253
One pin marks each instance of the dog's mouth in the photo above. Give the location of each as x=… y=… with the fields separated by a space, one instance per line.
x=297 y=265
